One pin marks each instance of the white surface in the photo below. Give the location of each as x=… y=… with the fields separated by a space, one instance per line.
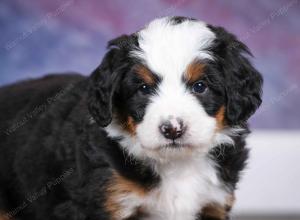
x=271 y=182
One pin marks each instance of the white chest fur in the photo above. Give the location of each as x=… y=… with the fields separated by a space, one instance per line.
x=185 y=188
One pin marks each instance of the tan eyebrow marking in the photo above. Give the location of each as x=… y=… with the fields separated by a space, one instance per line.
x=194 y=71
x=145 y=74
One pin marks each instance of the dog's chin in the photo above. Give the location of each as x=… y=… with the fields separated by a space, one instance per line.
x=173 y=151
x=176 y=145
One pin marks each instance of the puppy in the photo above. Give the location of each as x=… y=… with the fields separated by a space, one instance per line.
x=157 y=132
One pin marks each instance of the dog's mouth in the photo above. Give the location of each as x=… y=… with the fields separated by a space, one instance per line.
x=174 y=144
x=171 y=146
x=171 y=151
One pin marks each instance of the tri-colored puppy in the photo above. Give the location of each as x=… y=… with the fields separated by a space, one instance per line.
x=157 y=132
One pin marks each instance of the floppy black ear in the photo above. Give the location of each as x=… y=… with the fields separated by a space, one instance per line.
x=103 y=83
x=243 y=83
x=105 y=80
x=243 y=89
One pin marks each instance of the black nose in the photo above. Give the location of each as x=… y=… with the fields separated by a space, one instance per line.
x=172 y=129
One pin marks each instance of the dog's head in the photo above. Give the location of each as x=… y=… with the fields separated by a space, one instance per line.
x=177 y=87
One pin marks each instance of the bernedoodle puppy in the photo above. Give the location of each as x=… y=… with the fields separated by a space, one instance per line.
x=157 y=132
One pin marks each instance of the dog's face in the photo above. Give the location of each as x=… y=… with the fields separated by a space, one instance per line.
x=176 y=88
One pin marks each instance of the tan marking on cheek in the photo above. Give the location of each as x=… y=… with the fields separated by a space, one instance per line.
x=120 y=187
x=130 y=126
x=220 y=118
x=145 y=74
x=195 y=71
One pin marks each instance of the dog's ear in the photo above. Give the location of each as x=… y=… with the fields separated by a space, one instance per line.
x=243 y=89
x=103 y=83
x=105 y=80
x=243 y=83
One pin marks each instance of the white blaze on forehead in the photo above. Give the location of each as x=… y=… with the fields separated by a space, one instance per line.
x=168 y=48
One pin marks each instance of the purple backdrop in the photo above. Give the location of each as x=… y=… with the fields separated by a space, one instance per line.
x=44 y=36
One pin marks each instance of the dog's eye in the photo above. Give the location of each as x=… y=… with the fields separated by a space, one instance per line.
x=199 y=87
x=145 y=89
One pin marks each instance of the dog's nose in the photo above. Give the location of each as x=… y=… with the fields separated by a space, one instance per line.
x=172 y=129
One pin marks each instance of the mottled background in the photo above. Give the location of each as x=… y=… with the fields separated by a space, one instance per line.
x=52 y=36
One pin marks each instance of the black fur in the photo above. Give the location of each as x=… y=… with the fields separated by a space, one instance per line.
x=113 y=86
x=58 y=139
x=243 y=83
x=105 y=79
x=56 y=163
x=231 y=160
